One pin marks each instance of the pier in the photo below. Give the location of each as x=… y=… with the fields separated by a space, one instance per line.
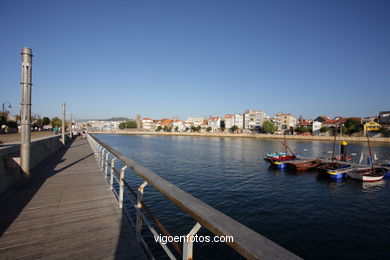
x=65 y=211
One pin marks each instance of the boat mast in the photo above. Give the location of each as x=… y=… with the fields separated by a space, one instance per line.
x=285 y=142
x=369 y=149
x=334 y=146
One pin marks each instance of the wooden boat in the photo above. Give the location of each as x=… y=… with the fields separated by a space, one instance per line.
x=304 y=165
x=367 y=174
x=279 y=159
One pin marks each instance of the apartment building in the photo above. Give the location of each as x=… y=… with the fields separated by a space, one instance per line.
x=285 y=121
x=253 y=119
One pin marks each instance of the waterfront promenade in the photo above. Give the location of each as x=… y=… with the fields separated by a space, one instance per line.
x=65 y=210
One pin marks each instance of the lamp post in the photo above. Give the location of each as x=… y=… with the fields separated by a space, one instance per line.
x=3 y=109
x=25 y=115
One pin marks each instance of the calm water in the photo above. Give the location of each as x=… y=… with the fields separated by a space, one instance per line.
x=303 y=212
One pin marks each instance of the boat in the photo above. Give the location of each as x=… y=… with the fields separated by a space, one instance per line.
x=367 y=174
x=304 y=165
x=335 y=170
x=279 y=159
x=339 y=173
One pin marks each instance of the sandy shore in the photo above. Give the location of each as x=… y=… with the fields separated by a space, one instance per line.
x=260 y=136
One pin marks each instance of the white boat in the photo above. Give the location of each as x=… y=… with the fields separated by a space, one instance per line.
x=367 y=174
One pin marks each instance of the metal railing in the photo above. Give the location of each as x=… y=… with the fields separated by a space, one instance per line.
x=246 y=242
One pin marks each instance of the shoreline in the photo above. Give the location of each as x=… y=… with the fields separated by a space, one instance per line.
x=256 y=136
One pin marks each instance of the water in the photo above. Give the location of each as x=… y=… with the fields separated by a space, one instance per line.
x=309 y=215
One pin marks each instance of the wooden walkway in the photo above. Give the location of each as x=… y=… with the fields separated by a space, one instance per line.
x=65 y=211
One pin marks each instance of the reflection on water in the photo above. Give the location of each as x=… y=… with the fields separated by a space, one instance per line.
x=305 y=212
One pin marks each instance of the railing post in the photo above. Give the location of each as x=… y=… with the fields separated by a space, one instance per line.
x=121 y=186
x=140 y=197
x=112 y=174
x=106 y=170
x=189 y=243
x=102 y=160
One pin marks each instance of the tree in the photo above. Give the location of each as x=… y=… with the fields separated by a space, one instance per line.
x=198 y=128
x=353 y=126
x=187 y=128
x=159 y=128
x=234 y=128
x=128 y=124
x=324 y=129
x=223 y=129
x=302 y=129
x=193 y=129
x=269 y=127
x=45 y=121
x=208 y=129
x=176 y=129
x=56 y=122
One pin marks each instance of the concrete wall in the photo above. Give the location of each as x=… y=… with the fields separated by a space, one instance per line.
x=9 y=158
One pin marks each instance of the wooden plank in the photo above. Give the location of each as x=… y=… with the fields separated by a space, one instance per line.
x=65 y=210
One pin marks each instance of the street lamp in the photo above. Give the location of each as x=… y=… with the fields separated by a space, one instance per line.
x=3 y=109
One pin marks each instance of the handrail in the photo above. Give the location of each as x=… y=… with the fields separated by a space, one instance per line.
x=247 y=242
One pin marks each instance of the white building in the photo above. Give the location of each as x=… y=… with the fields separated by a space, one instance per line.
x=214 y=123
x=253 y=119
x=238 y=120
x=316 y=126
x=179 y=124
x=148 y=124
x=195 y=120
x=229 y=122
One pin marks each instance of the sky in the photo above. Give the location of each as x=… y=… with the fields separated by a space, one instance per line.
x=198 y=58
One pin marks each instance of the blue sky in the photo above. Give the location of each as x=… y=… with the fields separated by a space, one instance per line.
x=198 y=58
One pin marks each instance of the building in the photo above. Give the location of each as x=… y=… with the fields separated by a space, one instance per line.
x=371 y=127
x=148 y=124
x=179 y=125
x=214 y=123
x=315 y=128
x=384 y=119
x=229 y=122
x=322 y=119
x=285 y=122
x=195 y=120
x=238 y=120
x=253 y=119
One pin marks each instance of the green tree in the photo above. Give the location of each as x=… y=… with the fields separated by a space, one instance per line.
x=45 y=121
x=193 y=129
x=269 y=127
x=176 y=129
x=324 y=129
x=56 y=122
x=208 y=129
x=353 y=126
x=234 y=128
x=223 y=129
x=159 y=128
x=128 y=124
x=187 y=128
x=302 y=129
x=198 y=128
